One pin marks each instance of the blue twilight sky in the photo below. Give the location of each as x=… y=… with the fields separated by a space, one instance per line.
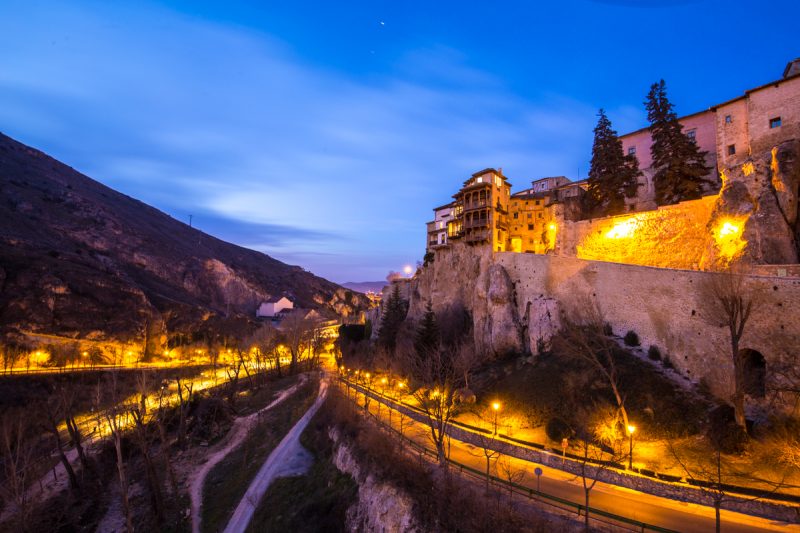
x=323 y=133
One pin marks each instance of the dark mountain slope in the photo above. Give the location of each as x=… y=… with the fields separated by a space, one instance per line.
x=78 y=259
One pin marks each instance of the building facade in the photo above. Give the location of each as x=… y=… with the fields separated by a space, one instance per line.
x=486 y=213
x=531 y=216
x=480 y=211
x=437 y=229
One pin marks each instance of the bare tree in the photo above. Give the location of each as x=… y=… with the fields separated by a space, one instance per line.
x=510 y=472
x=15 y=430
x=266 y=340
x=66 y=397
x=143 y=438
x=116 y=416
x=583 y=337
x=10 y=354
x=592 y=459
x=297 y=331
x=730 y=304
x=162 y=421
x=51 y=415
x=184 y=399
x=437 y=375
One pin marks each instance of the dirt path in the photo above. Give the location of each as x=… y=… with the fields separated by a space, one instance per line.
x=241 y=427
x=274 y=466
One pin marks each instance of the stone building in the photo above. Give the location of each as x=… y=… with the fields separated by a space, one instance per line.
x=437 y=229
x=531 y=218
x=480 y=211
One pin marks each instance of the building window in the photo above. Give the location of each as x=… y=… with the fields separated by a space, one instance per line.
x=537 y=202
x=539 y=215
x=632 y=150
x=530 y=227
x=728 y=119
x=692 y=134
x=529 y=216
x=516 y=215
x=731 y=149
x=775 y=122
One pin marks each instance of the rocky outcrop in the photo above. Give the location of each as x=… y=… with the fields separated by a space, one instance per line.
x=497 y=324
x=381 y=506
x=762 y=194
x=80 y=260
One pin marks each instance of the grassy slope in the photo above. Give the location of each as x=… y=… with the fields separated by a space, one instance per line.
x=326 y=492
x=228 y=481
x=555 y=385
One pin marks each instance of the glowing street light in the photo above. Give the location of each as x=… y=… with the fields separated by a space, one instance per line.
x=631 y=431
x=407 y=270
x=495 y=408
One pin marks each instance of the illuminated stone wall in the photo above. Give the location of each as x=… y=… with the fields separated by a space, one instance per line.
x=670 y=237
x=665 y=308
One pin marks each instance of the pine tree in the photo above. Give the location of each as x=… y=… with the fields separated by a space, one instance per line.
x=612 y=176
x=394 y=313
x=427 y=335
x=679 y=165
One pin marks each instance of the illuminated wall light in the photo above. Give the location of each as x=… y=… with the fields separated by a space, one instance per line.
x=623 y=230
x=748 y=168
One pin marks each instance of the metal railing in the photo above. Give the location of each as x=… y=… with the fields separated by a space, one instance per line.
x=563 y=504
x=655 y=476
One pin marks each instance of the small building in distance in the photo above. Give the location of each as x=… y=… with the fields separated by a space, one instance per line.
x=274 y=306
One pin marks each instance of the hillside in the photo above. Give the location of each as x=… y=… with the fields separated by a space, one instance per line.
x=81 y=260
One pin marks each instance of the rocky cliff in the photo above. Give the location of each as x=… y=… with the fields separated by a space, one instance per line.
x=381 y=506
x=80 y=260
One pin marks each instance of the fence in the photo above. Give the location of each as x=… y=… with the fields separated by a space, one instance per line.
x=598 y=515
x=648 y=481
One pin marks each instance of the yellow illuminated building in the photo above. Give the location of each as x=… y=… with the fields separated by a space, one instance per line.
x=480 y=212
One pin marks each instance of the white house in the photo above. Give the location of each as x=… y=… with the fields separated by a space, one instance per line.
x=273 y=306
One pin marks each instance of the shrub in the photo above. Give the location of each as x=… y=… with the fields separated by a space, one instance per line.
x=607 y=330
x=654 y=353
x=557 y=429
x=666 y=362
x=631 y=338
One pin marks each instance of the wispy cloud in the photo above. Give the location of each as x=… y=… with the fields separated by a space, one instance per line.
x=294 y=158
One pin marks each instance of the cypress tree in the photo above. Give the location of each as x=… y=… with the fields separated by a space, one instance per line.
x=679 y=165
x=394 y=313
x=427 y=335
x=612 y=176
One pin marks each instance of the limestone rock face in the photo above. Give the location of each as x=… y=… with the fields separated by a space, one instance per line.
x=380 y=506
x=543 y=322
x=762 y=192
x=771 y=231
x=468 y=276
x=501 y=324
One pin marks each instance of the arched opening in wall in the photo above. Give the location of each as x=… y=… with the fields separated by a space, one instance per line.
x=755 y=373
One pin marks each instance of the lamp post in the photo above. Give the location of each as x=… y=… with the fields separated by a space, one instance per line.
x=495 y=408
x=631 y=430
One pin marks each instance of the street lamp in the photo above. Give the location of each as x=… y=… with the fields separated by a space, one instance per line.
x=631 y=431
x=495 y=408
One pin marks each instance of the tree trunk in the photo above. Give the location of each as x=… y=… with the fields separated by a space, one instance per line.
x=123 y=482
x=73 y=479
x=586 y=513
